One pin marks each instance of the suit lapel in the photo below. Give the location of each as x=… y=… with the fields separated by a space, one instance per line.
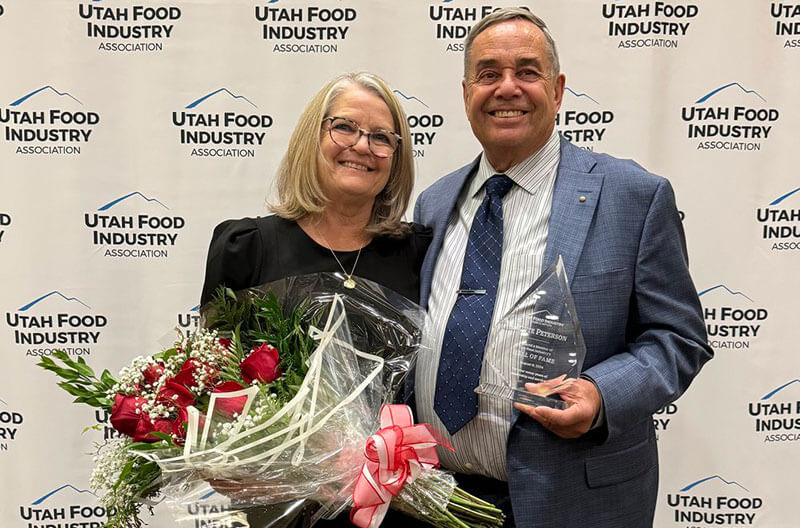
x=575 y=198
x=570 y=217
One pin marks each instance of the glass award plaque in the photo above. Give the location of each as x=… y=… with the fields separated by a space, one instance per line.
x=548 y=348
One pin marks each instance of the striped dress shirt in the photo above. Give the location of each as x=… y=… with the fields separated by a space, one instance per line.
x=480 y=446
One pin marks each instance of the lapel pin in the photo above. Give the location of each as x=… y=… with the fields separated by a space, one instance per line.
x=582 y=199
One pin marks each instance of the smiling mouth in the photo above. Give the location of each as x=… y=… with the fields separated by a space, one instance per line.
x=507 y=113
x=356 y=166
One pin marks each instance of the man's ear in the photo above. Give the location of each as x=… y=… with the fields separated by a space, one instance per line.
x=464 y=94
x=558 y=86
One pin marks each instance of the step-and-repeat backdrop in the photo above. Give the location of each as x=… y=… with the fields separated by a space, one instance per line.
x=130 y=128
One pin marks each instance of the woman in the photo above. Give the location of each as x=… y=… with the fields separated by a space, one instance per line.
x=343 y=187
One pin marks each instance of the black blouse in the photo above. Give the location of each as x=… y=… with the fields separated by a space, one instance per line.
x=252 y=251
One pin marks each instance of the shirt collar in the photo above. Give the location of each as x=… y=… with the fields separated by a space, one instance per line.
x=529 y=174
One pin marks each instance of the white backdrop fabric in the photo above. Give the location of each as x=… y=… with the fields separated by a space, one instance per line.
x=130 y=129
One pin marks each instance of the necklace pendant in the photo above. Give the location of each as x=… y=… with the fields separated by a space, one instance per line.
x=349 y=283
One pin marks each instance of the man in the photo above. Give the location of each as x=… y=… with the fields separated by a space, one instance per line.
x=536 y=196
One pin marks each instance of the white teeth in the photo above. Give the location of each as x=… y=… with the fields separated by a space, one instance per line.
x=356 y=166
x=508 y=113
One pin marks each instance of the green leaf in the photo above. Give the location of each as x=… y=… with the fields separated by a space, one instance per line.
x=126 y=470
x=169 y=353
x=163 y=436
x=141 y=446
x=108 y=379
x=60 y=354
x=46 y=362
x=72 y=389
x=84 y=369
x=67 y=374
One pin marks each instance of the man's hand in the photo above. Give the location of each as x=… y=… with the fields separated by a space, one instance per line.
x=584 y=404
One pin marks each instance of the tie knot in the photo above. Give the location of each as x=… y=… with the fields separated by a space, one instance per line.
x=498 y=185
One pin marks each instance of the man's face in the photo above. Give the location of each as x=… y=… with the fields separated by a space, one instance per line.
x=510 y=94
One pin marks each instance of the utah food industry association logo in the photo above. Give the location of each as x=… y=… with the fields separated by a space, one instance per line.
x=730 y=117
x=10 y=422
x=303 y=30
x=48 y=121
x=787 y=22
x=222 y=124
x=215 y=511
x=780 y=221
x=648 y=24
x=582 y=119
x=776 y=415
x=733 y=319
x=137 y=28
x=423 y=122
x=65 y=506
x=55 y=321
x=714 y=501
x=134 y=226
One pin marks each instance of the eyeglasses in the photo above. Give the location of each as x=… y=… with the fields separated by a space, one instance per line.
x=346 y=133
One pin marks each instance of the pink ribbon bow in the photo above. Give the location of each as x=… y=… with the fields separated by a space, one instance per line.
x=396 y=454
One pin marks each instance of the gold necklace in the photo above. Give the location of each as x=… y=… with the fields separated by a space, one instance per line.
x=349 y=282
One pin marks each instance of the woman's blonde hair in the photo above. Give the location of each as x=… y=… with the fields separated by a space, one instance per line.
x=299 y=190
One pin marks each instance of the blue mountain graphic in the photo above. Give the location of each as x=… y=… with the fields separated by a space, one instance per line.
x=197 y=102
x=778 y=200
x=772 y=393
x=714 y=92
x=410 y=98
x=196 y=308
x=60 y=94
x=65 y=486
x=700 y=294
x=701 y=481
x=576 y=94
x=54 y=292
x=112 y=203
x=210 y=493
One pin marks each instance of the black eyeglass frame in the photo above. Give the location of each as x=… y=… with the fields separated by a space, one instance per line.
x=362 y=132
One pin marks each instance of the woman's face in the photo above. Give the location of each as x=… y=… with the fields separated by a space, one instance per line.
x=354 y=174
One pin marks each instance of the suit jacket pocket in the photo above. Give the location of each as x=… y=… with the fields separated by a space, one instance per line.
x=606 y=470
x=597 y=281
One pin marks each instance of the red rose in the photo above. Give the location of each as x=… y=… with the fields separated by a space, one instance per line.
x=224 y=342
x=124 y=415
x=263 y=364
x=172 y=427
x=152 y=373
x=175 y=394
x=229 y=406
x=191 y=370
x=179 y=425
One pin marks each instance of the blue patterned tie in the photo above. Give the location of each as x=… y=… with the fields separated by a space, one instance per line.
x=464 y=340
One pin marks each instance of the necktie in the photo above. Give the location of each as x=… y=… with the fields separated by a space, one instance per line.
x=455 y=400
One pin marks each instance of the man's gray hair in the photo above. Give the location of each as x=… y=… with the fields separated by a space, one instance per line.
x=512 y=13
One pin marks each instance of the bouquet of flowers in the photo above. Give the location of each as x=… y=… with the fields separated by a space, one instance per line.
x=276 y=400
